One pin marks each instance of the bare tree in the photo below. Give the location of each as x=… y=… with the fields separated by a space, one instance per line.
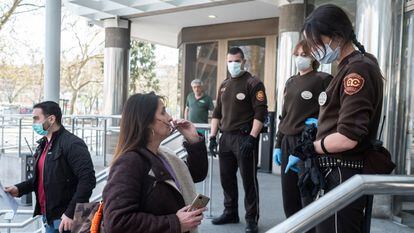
x=13 y=7
x=75 y=75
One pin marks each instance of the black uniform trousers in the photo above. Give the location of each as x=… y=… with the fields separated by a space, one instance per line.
x=350 y=219
x=292 y=200
x=230 y=161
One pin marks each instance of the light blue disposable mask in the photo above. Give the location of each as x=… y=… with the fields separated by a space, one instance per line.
x=329 y=56
x=38 y=128
x=303 y=63
x=234 y=68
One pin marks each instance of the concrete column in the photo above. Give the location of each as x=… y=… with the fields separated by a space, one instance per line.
x=52 y=50
x=375 y=29
x=290 y=23
x=116 y=64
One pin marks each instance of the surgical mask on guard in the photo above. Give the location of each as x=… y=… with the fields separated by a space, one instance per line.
x=234 y=68
x=303 y=63
x=330 y=55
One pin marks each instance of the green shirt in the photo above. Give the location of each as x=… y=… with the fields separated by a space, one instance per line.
x=198 y=108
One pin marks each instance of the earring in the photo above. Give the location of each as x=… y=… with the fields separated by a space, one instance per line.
x=153 y=132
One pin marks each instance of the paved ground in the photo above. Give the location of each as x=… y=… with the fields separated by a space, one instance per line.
x=270 y=205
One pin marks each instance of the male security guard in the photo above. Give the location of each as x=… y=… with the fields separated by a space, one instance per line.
x=241 y=110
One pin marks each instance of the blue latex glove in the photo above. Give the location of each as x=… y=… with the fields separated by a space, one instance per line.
x=277 y=156
x=293 y=160
x=310 y=121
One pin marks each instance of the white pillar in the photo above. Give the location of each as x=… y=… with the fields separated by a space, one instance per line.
x=52 y=50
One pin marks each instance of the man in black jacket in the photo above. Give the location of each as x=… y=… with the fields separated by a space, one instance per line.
x=64 y=173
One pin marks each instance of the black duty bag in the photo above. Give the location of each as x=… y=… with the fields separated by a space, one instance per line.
x=377 y=160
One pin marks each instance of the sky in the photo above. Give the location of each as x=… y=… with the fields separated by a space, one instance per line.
x=26 y=33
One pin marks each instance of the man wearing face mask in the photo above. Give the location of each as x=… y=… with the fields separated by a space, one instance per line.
x=64 y=173
x=240 y=112
x=300 y=106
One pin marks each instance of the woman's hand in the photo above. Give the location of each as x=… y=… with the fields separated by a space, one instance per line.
x=191 y=219
x=187 y=129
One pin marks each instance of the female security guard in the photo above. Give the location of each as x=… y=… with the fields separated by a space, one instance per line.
x=300 y=103
x=350 y=110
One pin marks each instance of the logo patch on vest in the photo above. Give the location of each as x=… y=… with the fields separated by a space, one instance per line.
x=307 y=95
x=353 y=83
x=260 y=96
x=240 y=96
x=323 y=97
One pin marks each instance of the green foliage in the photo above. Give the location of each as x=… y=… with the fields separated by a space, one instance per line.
x=142 y=68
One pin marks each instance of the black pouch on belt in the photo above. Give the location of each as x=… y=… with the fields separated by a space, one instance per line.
x=377 y=160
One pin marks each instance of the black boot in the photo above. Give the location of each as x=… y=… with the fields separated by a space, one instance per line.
x=251 y=227
x=226 y=218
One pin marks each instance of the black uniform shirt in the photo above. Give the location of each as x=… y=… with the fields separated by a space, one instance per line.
x=301 y=96
x=239 y=101
x=354 y=99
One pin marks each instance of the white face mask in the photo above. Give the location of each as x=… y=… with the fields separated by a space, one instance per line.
x=234 y=68
x=303 y=63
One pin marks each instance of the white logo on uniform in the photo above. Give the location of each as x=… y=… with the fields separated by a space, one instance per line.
x=322 y=98
x=307 y=95
x=240 y=96
x=202 y=101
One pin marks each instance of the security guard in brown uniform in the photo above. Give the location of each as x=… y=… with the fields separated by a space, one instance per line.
x=300 y=107
x=350 y=109
x=240 y=112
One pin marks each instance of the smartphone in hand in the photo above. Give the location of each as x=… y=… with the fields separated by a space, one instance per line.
x=200 y=201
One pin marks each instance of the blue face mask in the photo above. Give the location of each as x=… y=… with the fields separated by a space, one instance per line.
x=234 y=68
x=329 y=56
x=38 y=128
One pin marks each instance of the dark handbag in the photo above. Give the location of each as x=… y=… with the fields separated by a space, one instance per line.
x=377 y=160
x=88 y=218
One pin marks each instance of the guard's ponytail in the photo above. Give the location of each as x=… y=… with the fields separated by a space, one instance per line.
x=356 y=43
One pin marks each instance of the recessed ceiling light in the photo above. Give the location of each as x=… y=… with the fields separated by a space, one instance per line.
x=212 y=16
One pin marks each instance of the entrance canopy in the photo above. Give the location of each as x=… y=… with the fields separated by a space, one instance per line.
x=160 y=21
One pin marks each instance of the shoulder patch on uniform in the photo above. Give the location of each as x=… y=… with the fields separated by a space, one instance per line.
x=353 y=83
x=260 y=96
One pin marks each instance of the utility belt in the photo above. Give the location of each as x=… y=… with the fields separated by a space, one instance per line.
x=244 y=129
x=326 y=161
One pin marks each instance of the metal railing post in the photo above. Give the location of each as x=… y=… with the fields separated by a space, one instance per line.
x=73 y=125
x=2 y=132
x=104 y=140
x=83 y=129
x=97 y=136
x=20 y=136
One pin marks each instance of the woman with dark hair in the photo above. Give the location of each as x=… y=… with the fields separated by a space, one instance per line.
x=300 y=105
x=350 y=110
x=149 y=189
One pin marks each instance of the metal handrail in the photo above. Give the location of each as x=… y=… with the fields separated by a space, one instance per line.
x=342 y=196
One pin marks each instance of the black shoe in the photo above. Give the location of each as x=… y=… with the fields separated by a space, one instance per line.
x=225 y=218
x=251 y=227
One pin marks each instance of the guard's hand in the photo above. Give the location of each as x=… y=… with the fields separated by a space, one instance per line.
x=65 y=224
x=310 y=121
x=293 y=160
x=246 y=149
x=213 y=145
x=277 y=156
x=12 y=190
